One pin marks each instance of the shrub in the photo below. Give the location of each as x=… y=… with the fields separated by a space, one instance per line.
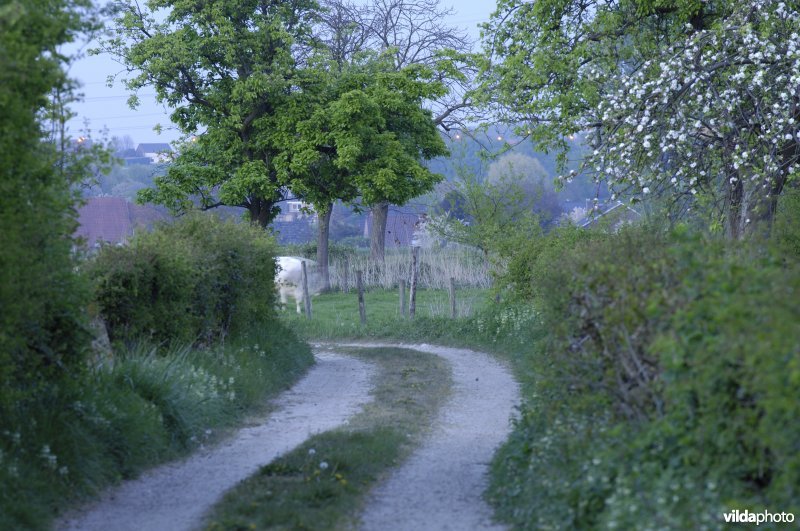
x=144 y=291
x=196 y=280
x=662 y=393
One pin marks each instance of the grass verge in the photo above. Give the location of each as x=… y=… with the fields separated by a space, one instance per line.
x=148 y=406
x=322 y=484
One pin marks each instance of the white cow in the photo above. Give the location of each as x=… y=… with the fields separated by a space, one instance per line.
x=289 y=279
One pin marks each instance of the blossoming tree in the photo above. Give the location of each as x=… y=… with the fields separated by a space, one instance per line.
x=699 y=105
x=713 y=119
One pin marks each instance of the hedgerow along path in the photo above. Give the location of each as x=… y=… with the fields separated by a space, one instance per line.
x=439 y=487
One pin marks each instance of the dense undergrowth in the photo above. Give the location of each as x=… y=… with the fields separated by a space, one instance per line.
x=195 y=347
x=662 y=389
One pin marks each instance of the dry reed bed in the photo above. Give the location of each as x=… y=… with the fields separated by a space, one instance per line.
x=436 y=267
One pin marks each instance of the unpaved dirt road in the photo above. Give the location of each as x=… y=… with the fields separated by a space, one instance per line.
x=439 y=487
x=174 y=497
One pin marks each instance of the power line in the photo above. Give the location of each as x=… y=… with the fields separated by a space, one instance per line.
x=131 y=116
x=105 y=98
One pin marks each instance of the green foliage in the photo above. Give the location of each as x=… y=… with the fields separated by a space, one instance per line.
x=786 y=230
x=547 y=49
x=655 y=397
x=195 y=280
x=42 y=324
x=362 y=131
x=148 y=406
x=271 y=120
x=496 y=212
x=228 y=71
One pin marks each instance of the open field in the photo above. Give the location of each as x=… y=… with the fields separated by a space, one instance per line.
x=336 y=314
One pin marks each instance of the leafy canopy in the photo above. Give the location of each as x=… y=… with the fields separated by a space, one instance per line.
x=228 y=69
x=369 y=128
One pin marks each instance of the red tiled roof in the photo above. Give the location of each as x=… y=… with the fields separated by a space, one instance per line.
x=113 y=219
x=104 y=219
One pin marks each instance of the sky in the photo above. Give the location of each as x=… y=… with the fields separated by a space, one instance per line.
x=105 y=108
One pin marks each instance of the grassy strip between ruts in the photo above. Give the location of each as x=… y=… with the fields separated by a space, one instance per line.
x=323 y=483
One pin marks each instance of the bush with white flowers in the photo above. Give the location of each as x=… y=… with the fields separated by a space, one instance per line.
x=713 y=120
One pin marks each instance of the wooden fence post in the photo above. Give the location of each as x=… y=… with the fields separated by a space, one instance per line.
x=452 y=298
x=402 y=297
x=362 y=312
x=346 y=286
x=412 y=305
x=306 y=298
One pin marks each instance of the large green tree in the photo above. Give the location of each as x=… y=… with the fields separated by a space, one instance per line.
x=367 y=137
x=42 y=328
x=408 y=34
x=228 y=70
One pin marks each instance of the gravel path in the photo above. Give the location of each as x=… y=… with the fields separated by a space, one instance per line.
x=175 y=496
x=441 y=485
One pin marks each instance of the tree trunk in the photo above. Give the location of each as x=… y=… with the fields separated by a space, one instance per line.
x=262 y=212
x=377 y=236
x=735 y=221
x=323 y=234
x=788 y=152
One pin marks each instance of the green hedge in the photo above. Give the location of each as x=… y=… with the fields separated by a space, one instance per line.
x=198 y=279
x=665 y=389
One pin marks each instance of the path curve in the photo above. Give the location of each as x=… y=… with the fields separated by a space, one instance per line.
x=441 y=486
x=175 y=496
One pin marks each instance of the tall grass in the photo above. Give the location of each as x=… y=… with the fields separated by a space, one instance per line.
x=145 y=406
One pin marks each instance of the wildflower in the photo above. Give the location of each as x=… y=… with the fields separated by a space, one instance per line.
x=323 y=465
x=311 y=451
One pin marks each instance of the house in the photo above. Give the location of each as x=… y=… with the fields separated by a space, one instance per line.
x=130 y=157
x=158 y=153
x=614 y=214
x=293 y=210
x=114 y=220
